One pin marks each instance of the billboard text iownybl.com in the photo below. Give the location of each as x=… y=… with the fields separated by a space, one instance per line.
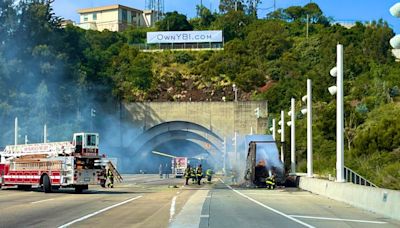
x=213 y=36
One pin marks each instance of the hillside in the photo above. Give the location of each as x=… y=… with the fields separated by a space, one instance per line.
x=43 y=68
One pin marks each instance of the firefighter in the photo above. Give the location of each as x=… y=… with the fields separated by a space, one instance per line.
x=103 y=181
x=160 y=171
x=270 y=182
x=193 y=175
x=110 y=176
x=209 y=174
x=188 y=172
x=199 y=174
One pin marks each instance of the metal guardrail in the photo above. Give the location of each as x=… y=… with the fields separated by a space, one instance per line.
x=180 y=47
x=355 y=178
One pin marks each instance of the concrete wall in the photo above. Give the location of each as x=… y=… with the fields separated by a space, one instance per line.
x=381 y=201
x=224 y=118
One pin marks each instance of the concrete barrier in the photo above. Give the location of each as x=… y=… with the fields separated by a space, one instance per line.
x=381 y=201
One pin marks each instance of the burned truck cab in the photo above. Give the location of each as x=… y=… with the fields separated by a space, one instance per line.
x=262 y=162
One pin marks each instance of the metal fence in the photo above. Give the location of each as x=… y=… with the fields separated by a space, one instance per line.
x=355 y=178
x=180 y=46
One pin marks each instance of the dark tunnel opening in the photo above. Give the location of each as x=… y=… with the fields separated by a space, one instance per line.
x=150 y=163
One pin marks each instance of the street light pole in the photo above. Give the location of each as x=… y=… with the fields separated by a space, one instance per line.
x=16 y=131
x=224 y=160
x=235 y=148
x=293 y=137
x=339 y=117
x=309 y=130
x=282 y=136
x=235 y=90
x=45 y=133
x=274 y=129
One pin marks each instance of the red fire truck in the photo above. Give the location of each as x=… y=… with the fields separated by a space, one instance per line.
x=53 y=165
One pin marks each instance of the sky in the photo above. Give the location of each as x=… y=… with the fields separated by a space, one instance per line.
x=340 y=10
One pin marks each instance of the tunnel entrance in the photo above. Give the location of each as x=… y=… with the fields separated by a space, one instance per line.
x=176 y=138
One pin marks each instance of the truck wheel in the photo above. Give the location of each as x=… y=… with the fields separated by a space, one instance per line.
x=46 y=184
x=79 y=189
x=24 y=187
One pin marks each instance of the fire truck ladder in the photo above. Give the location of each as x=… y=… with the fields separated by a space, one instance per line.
x=115 y=172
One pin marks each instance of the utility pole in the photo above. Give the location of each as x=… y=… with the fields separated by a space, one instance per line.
x=307 y=25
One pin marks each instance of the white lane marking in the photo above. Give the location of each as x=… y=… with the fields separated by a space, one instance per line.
x=41 y=201
x=204 y=216
x=172 y=209
x=267 y=207
x=338 y=219
x=98 y=212
x=272 y=194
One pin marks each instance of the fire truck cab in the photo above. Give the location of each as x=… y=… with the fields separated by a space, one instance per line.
x=86 y=142
x=75 y=164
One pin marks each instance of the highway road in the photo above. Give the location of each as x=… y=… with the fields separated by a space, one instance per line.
x=148 y=201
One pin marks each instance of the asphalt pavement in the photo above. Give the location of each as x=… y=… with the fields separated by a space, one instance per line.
x=148 y=201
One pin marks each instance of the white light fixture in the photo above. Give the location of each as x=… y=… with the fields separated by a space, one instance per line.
x=304 y=98
x=304 y=111
x=332 y=90
x=279 y=131
x=280 y=122
x=395 y=42
x=333 y=72
x=395 y=10
x=289 y=123
x=290 y=113
x=271 y=129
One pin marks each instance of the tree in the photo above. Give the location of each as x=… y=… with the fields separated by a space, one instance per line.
x=233 y=24
x=226 y=6
x=174 y=21
x=295 y=12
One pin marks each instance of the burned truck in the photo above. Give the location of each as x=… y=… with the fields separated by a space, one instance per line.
x=262 y=162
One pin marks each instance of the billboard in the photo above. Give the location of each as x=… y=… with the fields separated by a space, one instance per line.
x=208 y=36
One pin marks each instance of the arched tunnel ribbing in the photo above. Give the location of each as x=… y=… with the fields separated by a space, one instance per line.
x=178 y=127
x=172 y=135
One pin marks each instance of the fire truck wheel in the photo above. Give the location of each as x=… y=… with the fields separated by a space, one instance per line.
x=24 y=187
x=46 y=184
x=78 y=189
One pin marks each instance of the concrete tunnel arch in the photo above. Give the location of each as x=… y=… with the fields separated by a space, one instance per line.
x=175 y=135
x=180 y=129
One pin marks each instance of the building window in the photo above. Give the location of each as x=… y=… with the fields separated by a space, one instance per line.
x=94 y=16
x=85 y=17
x=124 y=15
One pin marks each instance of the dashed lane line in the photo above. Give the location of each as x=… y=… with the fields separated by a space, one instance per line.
x=172 y=209
x=267 y=207
x=40 y=201
x=337 y=219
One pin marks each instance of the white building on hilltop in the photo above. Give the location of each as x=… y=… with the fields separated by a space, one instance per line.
x=115 y=18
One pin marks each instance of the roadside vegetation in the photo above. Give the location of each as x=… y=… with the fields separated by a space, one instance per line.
x=52 y=72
